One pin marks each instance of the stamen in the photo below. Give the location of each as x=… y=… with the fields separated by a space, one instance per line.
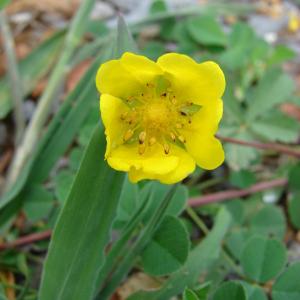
x=167 y=148
x=124 y=115
x=152 y=141
x=128 y=135
x=142 y=137
x=142 y=149
x=181 y=139
x=179 y=125
x=173 y=136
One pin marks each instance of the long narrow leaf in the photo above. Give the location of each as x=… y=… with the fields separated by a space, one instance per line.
x=32 y=68
x=82 y=232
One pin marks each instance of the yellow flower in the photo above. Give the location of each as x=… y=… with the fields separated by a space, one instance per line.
x=160 y=118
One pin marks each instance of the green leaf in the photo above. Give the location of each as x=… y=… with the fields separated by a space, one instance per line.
x=77 y=247
x=85 y=134
x=294 y=210
x=269 y=221
x=280 y=54
x=236 y=241
x=168 y=248
x=236 y=209
x=237 y=156
x=124 y=41
x=262 y=258
x=241 y=41
x=180 y=34
x=254 y=292
x=276 y=127
x=202 y=290
x=242 y=178
x=287 y=285
x=138 y=246
x=207 y=31
x=241 y=35
x=32 y=69
x=274 y=88
x=38 y=202
x=60 y=133
x=3 y=3
x=230 y=291
x=158 y=6
x=75 y=158
x=293 y=178
x=153 y=50
x=158 y=192
x=63 y=182
x=189 y=295
x=97 y=28
x=199 y=259
x=129 y=202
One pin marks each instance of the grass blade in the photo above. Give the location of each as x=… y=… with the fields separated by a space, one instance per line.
x=82 y=232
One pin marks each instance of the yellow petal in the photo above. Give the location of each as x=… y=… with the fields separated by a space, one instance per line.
x=207 y=119
x=126 y=76
x=206 y=150
x=111 y=109
x=199 y=83
x=126 y=157
x=186 y=165
x=141 y=67
x=114 y=79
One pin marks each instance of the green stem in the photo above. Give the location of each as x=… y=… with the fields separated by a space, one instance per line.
x=198 y=221
x=210 y=183
x=37 y=122
x=120 y=247
x=14 y=77
x=137 y=247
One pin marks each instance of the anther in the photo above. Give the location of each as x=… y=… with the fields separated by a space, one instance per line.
x=179 y=125
x=142 y=137
x=166 y=148
x=173 y=137
x=183 y=113
x=181 y=139
x=123 y=116
x=142 y=149
x=128 y=135
x=152 y=141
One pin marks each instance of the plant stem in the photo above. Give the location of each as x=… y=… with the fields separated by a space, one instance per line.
x=27 y=239
x=264 y=146
x=197 y=220
x=37 y=122
x=14 y=77
x=230 y=194
x=137 y=247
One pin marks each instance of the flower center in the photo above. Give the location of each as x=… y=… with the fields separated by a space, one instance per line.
x=156 y=116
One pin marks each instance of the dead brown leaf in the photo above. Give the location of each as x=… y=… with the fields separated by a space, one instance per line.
x=66 y=7
x=291 y=109
x=136 y=282
x=77 y=73
x=9 y=279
